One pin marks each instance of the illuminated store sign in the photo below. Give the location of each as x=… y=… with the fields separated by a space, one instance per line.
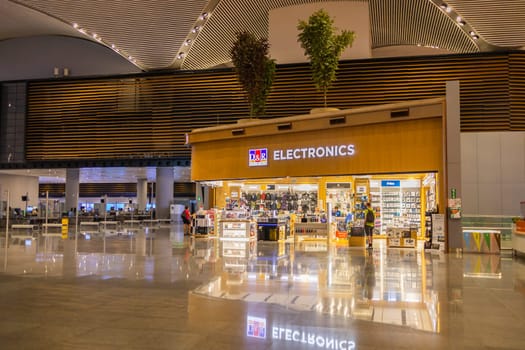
x=390 y=183
x=314 y=152
x=259 y=156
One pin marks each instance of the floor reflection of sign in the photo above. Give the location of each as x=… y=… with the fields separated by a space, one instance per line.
x=256 y=327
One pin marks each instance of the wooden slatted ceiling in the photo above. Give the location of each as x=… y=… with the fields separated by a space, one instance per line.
x=148 y=116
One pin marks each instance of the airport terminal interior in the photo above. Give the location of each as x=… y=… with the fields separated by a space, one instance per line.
x=117 y=116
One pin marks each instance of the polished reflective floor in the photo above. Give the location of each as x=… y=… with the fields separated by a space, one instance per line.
x=154 y=288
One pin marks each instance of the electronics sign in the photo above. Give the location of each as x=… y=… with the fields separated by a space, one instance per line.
x=258 y=157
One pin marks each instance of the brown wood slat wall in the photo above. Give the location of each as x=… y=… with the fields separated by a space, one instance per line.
x=180 y=189
x=148 y=115
x=517 y=91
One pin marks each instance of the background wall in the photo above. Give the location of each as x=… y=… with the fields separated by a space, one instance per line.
x=493 y=173
x=42 y=54
x=18 y=186
x=283 y=32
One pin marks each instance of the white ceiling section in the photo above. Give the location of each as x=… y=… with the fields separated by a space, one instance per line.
x=283 y=32
x=160 y=34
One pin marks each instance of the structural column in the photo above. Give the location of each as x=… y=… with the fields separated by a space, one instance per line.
x=453 y=160
x=72 y=189
x=164 y=192
x=142 y=194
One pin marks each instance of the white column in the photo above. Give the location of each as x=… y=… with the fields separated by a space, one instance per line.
x=72 y=188
x=142 y=194
x=164 y=192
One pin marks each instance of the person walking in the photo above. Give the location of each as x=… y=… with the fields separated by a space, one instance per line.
x=369 y=224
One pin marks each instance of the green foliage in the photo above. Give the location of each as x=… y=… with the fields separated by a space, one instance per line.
x=323 y=47
x=255 y=70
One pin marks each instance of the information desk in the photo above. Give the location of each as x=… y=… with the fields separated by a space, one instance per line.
x=481 y=241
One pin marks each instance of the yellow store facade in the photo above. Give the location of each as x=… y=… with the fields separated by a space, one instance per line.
x=328 y=165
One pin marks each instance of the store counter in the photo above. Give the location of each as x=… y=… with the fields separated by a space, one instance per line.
x=271 y=230
x=481 y=241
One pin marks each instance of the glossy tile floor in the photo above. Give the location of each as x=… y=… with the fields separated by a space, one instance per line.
x=157 y=289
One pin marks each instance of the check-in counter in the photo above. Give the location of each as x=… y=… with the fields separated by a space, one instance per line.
x=481 y=241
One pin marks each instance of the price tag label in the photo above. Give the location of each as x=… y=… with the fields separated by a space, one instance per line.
x=409 y=242
x=394 y=242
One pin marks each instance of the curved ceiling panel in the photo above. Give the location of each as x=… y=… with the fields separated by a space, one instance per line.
x=499 y=22
x=151 y=32
x=154 y=34
x=419 y=23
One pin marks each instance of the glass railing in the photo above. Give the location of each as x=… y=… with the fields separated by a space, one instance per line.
x=491 y=222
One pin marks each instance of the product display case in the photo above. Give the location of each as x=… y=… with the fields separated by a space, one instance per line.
x=238 y=239
x=281 y=197
x=411 y=207
x=340 y=195
x=391 y=205
x=375 y=201
x=204 y=222
x=311 y=231
x=401 y=237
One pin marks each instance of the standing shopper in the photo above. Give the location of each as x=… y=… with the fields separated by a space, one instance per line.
x=369 y=224
x=186 y=219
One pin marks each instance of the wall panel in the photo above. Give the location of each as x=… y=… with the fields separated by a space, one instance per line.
x=147 y=116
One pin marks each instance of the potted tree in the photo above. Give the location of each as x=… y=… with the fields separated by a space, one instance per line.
x=323 y=47
x=255 y=70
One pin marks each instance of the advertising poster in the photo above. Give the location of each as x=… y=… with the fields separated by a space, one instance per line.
x=438 y=230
